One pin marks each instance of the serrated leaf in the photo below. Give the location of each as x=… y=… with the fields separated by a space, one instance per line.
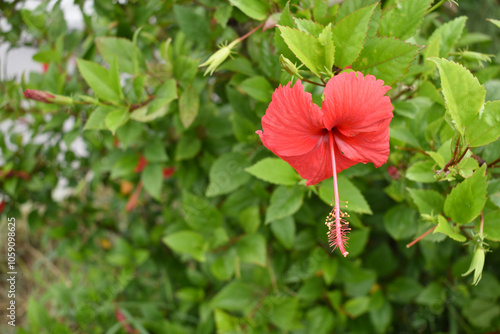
x=187 y=242
x=349 y=35
x=274 y=170
x=403 y=19
x=347 y=192
x=421 y=171
x=445 y=228
x=463 y=94
x=123 y=50
x=309 y=26
x=189 y=104
x=386 y=58
x=485 y=128
x=255 y=9
x=257 y=87
x=285 y=201
x=303 y=45
x=326 y=55
x=448 y=34
x=152 y=179
x=429 y=202
x=102 y=81
x=467 y=199
x=252 y=249
x=227 y=174
x=116 y=118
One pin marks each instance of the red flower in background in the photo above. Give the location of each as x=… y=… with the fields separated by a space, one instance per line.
x=351 y=127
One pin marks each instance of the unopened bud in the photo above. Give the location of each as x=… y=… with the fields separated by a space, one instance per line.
x=476 y=265
x=289 y=67
x=219 y=57
x=46 y=97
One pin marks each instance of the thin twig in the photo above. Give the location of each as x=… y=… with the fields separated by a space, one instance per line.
x=312 y=82
x=423 y=235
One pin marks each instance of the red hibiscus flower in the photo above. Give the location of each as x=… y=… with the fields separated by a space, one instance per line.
x=352 y=126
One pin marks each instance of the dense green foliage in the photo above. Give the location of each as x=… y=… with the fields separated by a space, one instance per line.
x=176 y=219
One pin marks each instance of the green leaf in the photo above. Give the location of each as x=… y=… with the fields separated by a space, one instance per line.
x=445 y=228
x=124 y=51
x=187 y=147
x=286 y=20
x=249 y=219
x=495 y=22
x=258 y=88
x=116 y=118
x=403 y=289
x=349 y=35
x=226 y=323
x=303 y=45
x=165 y=93
x=284 y=230
x=124 y=166
x=252 y=249
x=102 y=81
x=284 y=312
x=194 y=22
x=256 y=9
x=187 y=242
x=200 y=215
x=285 y=201
x=326 y=52
x=386 y=58
x=97 y=119
x=381 y=318
x=274 y=170
x=463 y=93
x=481 y=312
x=347 y=193
x=421 y=171
x=236 y=296
x=155 y=152
x=448 y=34
x=403 y=19
x=308 y=26
x=227 y=174
x=466 y=200
x=152 y=178
x=429 y=202
x=401 y=222
x=185 y=69
x=492 y=226
x=357 y=306
x=188 y=106
x=485 y=128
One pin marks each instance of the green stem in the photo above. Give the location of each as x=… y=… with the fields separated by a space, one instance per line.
x=436 y=6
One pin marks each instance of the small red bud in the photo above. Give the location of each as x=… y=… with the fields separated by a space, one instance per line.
x=393 y=173
x=38 y=95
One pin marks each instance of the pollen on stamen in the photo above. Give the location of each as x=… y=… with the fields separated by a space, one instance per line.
x=334 y=237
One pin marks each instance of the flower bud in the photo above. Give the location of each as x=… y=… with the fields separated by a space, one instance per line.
x=289 y=67
x=219 y=57
x=476 y=265
x=46 y=97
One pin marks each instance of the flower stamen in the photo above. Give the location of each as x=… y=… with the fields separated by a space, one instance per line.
x=338 y=227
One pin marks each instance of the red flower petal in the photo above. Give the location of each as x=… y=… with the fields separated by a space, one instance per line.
x=293 y=123
x=360 y=113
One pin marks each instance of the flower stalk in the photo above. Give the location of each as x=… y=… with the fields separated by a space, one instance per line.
x=337 y=226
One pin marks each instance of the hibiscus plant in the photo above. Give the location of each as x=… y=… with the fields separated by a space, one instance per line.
x=254 y=166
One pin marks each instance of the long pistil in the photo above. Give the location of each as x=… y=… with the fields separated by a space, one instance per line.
x=336 y=225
